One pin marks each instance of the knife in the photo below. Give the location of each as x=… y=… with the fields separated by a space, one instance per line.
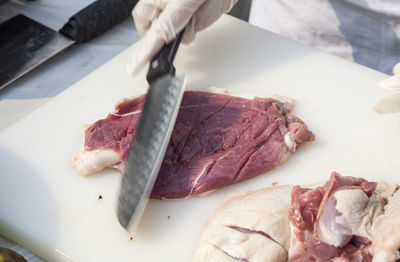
x=152 y=135
x=25 y=43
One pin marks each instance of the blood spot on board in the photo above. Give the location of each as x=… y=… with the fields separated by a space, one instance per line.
x=168 y=217
x=100 y=197
x=275 y=183
x=131 y=238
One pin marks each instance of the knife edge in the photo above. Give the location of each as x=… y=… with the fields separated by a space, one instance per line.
x=147 y=151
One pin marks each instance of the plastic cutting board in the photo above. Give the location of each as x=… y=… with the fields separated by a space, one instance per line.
x=51 y=210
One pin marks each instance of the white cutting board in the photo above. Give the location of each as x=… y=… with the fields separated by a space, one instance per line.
x=48 y=208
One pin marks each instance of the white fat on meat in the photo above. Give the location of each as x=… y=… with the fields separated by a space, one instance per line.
x=290 y=144
x=351 y=218
x=376 y=218
x=87 y=162
x=248 y=226
x=354 y=206
x=386 y=228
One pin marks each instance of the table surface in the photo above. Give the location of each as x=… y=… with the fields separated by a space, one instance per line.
x=46 y=81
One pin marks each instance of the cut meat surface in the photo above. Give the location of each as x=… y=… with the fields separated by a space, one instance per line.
x=317 y=235
x=338 y=221
x=346 y=219
x=218 y=140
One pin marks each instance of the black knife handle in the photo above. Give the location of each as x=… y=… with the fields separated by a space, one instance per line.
x=163 y=63
x=97 y=18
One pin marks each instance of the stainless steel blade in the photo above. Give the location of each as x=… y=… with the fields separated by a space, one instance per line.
x=148 y=148
x=25 y=44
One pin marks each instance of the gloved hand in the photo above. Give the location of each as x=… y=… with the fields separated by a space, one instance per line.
x=159 y=21
x=390 y=103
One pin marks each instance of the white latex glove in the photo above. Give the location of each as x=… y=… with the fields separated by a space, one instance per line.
x=159 y=21
x=390 y=103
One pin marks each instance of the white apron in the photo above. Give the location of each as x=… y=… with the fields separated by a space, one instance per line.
x=365 y=31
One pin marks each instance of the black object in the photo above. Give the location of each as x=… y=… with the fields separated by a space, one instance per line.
x=24 y=44
x=97 y=18
x=163 y=62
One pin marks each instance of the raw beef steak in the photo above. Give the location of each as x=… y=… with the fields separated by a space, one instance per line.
x=345 y=220
x=218 y=140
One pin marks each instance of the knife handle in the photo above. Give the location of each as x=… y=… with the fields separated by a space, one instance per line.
x=163 y=63
x=97 y=18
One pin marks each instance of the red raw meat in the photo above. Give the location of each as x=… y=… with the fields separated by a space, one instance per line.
x=217 y=140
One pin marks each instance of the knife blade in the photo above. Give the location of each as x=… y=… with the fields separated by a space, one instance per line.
x=25 y=43
x=152 y=136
